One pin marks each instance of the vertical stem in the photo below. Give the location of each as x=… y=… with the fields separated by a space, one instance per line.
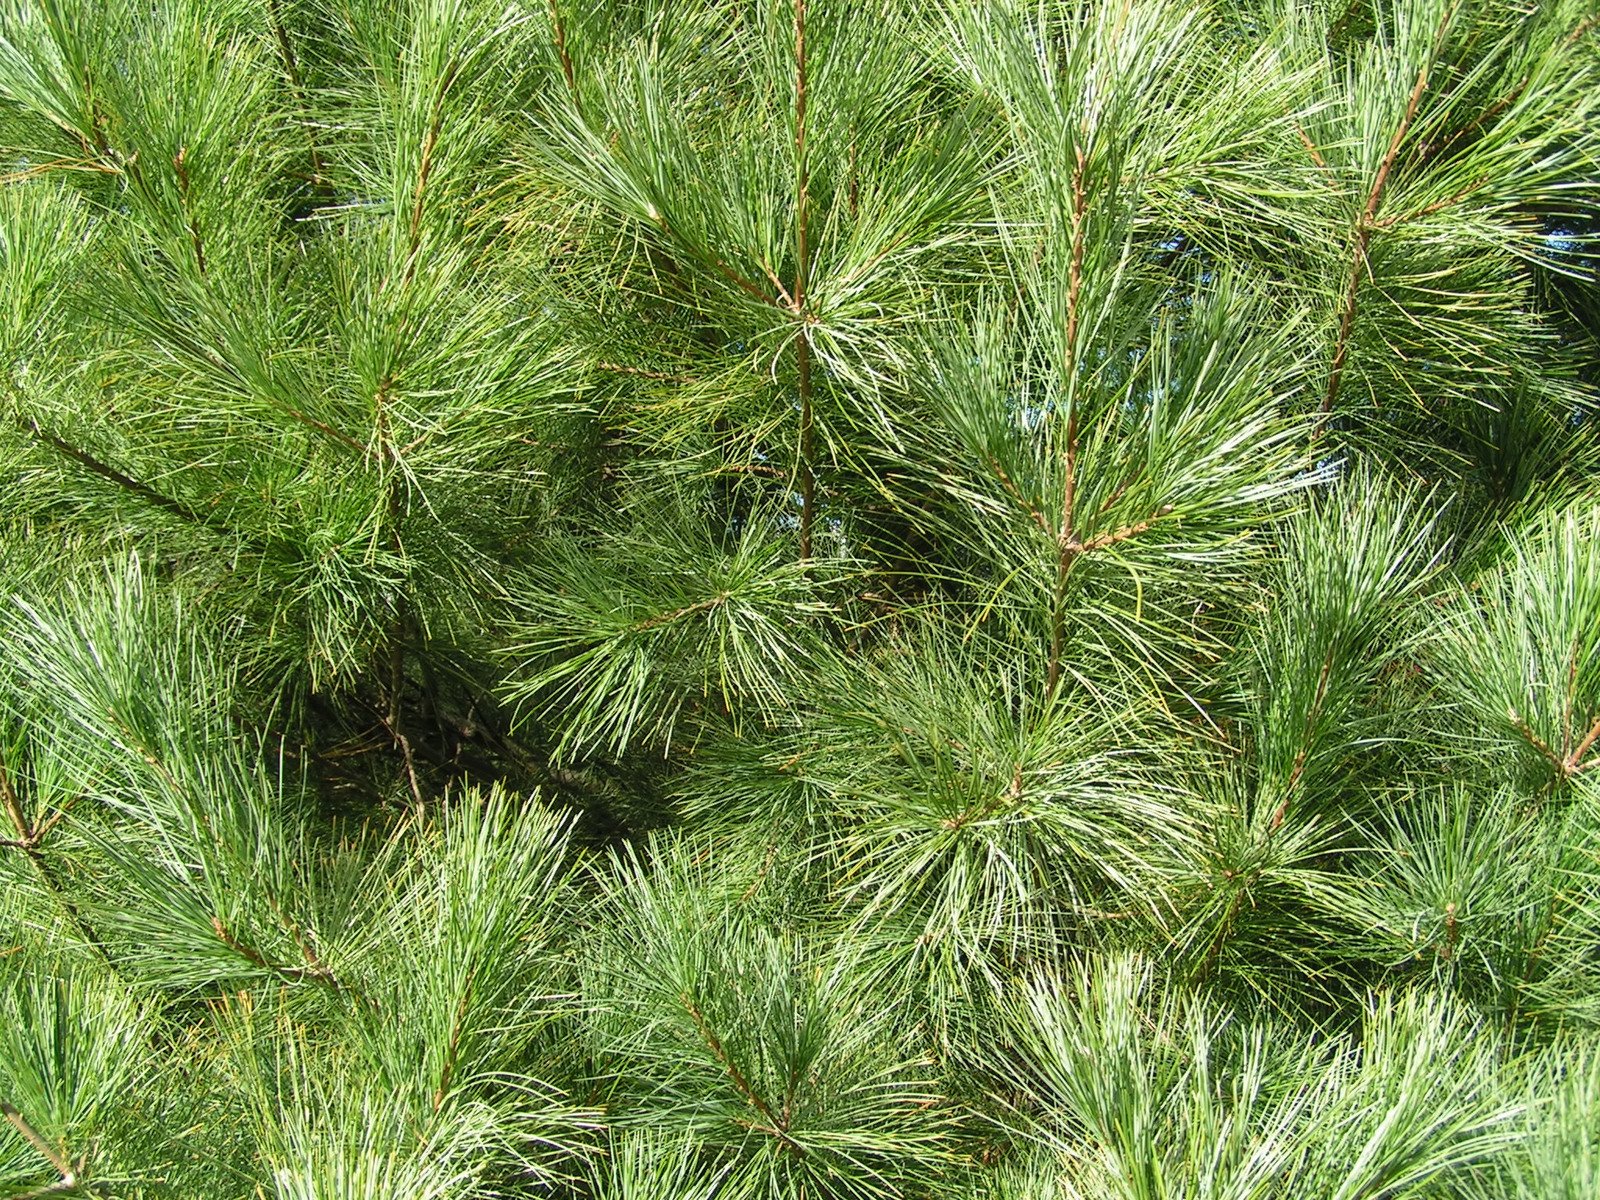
x=195 y=240
x=291 y=68
x=430 y=144
x=8 y=794
x=1368 y=221
x=560 y=32
x=808 y=483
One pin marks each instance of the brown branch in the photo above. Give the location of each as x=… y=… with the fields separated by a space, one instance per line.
x=1427 y=210
x=1311 y=147
x=109 y=473
x=51 y=1189
x=1318 y=698
x=195 y=240
x=559 y=31
x=425 y=169
x=26 y=834
x=1430 y=151
x=1121 y=490
x=1010 y=796
x=1207 y=964
x=454 y=1045
x=327 y=431
x=784 y=298
x=57 y=1158
x=315 y=970
x=291 y=67
x=761 y=875
x=59 y=164
x=688 y=609
x=1520 y=724
x=749 y=469
x=1015 y=493
x=716 y=264
x=774 y=1126
x=1367 y=222
x=1574 y=762
x=1102 y=540
x=1452 y=932
x=29 y=839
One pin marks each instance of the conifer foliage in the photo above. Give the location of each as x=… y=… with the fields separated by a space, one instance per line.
x=815 y=599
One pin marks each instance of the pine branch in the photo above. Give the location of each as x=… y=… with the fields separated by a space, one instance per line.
x=27 y=836
x=774 y=1126
x=560 y=33
x=452 y=1048
x=315 y=969
x=1367 y=223
x=291 y=68
x=195 y=241
x=57 y=1158
x=109 y=473
x=1575 y=761
x=430 y=143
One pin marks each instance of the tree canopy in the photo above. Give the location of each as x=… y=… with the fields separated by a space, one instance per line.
x=814 y=599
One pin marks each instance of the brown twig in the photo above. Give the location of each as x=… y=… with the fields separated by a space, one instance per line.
x=57 y=1158
x=976 y=813
x=1574 y=762
x=1367 y=222
x=1318 y=698
x=1015 y=493
x=454 y=1045
x=687 y=610
x=559 y=32
x=1427 y=210
x=59 y=164
x=109 y=473
x=291 y=68
x=1520 y=724
x=1111 y=538
x=774 y=1125
x=195 y=241
x=1311 y=147
x=27 y=836
x=314 y=970
x=425 y=170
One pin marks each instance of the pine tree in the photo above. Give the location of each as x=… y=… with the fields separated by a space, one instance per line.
x=800 y=599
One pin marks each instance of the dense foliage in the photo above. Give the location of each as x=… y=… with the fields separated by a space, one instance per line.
x=673 y=599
